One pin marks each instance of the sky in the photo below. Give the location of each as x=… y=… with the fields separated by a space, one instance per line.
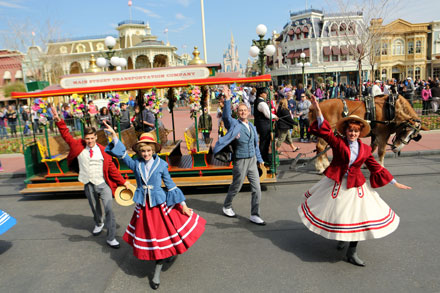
x=182 y=18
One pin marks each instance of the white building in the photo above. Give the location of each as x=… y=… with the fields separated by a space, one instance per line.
x=134 y=42
x=434 y=53
x=327 y=40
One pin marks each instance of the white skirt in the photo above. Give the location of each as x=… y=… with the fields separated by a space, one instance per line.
x=335 y=212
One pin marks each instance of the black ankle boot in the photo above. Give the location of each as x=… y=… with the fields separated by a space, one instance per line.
x=353 y=258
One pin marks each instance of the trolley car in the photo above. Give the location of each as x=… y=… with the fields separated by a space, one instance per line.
x=45 y=158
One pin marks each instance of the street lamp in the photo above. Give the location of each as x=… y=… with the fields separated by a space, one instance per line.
x=261 y=47
x=110 y=59
x=302 y=63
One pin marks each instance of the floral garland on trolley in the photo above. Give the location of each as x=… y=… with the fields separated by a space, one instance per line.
x=41 y=108
x=114 y=106
x=194 y=101
x=155 y=101
x=79 y=108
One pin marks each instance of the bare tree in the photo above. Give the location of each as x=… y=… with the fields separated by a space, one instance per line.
x=362 y=38
x=33 y=38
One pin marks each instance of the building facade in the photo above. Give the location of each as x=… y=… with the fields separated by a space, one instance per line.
x=402 y=51
x=134 y=42
x=10 y=69
x=231 y=62
x=434 y=50
x=328 y=42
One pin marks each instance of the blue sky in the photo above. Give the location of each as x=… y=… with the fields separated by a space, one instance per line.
x=182 y=18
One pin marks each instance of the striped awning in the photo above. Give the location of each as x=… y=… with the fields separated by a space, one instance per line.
x=327 y=51
x=336 y=51
x=291 y=54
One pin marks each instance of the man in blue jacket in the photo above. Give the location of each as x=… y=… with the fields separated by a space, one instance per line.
x=244 y=139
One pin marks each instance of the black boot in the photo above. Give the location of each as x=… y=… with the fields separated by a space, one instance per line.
x=352 y=256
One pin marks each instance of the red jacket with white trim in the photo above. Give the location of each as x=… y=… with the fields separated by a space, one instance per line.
x=341 y=157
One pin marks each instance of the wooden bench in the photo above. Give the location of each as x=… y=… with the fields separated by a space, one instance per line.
x=191 y=142
x=169 y=147
x=200 y=158
x=59 y=149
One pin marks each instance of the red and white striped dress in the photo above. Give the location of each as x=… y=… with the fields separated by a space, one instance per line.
x=161 y=232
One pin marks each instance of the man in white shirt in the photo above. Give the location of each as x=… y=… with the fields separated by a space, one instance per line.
x=99 y=175
x=375 y=91
x=262 y=122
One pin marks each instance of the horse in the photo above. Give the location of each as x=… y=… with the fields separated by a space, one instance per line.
x=405 y=124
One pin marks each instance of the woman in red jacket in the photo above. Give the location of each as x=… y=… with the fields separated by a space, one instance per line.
x=342 y=206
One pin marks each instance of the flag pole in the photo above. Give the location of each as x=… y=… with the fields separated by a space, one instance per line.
x=203 y=32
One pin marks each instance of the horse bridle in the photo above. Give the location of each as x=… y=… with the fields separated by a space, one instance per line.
x=415 y=134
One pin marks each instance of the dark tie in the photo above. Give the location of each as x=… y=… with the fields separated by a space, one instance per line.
x=91 y=153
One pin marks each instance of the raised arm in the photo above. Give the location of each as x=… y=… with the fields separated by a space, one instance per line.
x=226 y=116
x=116 y=148
x=64 y=131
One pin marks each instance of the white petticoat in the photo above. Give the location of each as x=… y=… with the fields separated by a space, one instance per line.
x=335 y=212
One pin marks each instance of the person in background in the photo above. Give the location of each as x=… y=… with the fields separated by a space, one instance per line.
x=93 y=111
x=319 y=93
x=426 y=99
x=11 y=115
x=50 y=117
x=137 y=120
x=252 y=98
x=221 y=125
x=3 y=132
x=104 y=115
x=125 y=117
x=148 y=119
x=302 y=111
x=308 y=91
x=435 y=100
x=205 y=124
x=376 y=91
x=26 y=120
x=284 y=124
x=262 y=122
x=299 y=91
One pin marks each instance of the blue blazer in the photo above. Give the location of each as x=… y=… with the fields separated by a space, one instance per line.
x=148 y=185
x=233 y=126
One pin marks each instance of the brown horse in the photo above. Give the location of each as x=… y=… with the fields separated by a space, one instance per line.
x=406 y=124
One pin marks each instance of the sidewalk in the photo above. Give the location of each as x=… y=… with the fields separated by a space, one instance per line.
x=13 y=164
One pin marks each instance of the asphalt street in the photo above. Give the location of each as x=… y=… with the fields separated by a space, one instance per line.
x=51 y=248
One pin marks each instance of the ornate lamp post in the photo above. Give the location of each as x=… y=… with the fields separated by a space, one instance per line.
x=111 y=60
x=302 y=63
x=263 y=48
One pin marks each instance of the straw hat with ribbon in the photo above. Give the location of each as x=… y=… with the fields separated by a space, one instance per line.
x=124 y=196
x=365 y=130
x=147 y=137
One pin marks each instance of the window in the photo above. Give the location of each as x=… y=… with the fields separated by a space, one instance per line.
x=334 y=30
x=343 y=29
x=343 y=57
x=411 y=47
x=384 y=49
x=351 y=28
x=335 y=58
x=419 y=47
x=417 y=75
x=63 y=50
x=100 y=47
x=410 y=72
x=377 y=49
x=80 y=48
x=436 y=72
x=384 y=74
x=327 y=59
x=398 y=47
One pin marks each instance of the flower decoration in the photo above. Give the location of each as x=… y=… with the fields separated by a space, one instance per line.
x=79 y=107
x=194 y=101
x=40 y=107
x=155 y=102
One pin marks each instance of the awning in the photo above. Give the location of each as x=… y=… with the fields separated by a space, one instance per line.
x=307 y=52
x=7 y=75
x=344 y=50
x=291 y=32
x=326 y=51
x=305 y=29
x=336 y=51
x=291 y=54
x=298 y=30
x=297 y=53
x=343 y=27
x=18 y=74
